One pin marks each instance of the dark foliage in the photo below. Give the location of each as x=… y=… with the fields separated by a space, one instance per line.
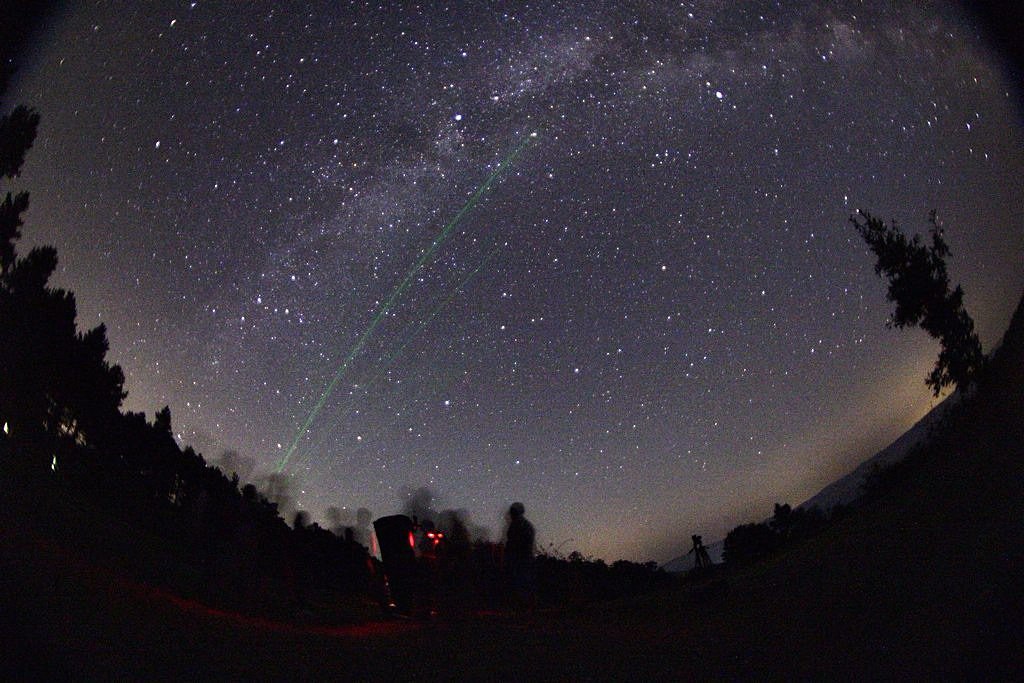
x=791 y=523
x=749 y=542
x=578 y=579
x=60 y=412
x=919 y=286
x=55 y=385
x=17 y=133
x=882 y=480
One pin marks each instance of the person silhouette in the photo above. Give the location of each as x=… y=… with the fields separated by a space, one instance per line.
x=519 y=547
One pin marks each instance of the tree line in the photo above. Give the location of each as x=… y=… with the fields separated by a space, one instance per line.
x=61 y=413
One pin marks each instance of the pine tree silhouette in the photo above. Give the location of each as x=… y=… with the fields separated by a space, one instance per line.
x=55 y=383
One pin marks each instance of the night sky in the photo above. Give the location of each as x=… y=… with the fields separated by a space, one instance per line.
x=655 y=320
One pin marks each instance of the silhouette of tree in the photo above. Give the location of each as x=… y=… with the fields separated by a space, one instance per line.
x=54 y=382
x=783 y=519
x=919 y=286
x=748 y=542
x=17 y=133
x=60 y=396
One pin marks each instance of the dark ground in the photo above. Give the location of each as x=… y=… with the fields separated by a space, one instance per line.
x=922 y=582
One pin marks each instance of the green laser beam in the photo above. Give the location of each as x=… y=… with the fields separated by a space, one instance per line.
x=433 y=314
x=419 y=327
x=395 y=294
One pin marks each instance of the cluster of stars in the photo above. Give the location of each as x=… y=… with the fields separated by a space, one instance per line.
x=653 y=313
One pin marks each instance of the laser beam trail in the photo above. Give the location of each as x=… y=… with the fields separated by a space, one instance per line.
x=396 y=293
x=419 y=327
x=433 y=314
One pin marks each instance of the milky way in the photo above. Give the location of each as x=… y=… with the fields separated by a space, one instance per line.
x=657 y=321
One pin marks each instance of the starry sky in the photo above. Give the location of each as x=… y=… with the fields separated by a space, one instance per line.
x=595 y=256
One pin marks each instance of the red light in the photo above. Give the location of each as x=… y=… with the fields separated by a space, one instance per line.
x=412 y=540
x=431 y=534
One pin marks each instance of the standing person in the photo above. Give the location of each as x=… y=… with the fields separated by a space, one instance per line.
x=519 y=567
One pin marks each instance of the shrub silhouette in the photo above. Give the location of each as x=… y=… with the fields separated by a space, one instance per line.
x=748 y=542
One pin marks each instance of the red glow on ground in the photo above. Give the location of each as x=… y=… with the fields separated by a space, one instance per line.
x=188 y=605
x=113 y=583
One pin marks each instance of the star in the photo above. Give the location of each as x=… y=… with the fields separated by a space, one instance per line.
x=431 y=225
